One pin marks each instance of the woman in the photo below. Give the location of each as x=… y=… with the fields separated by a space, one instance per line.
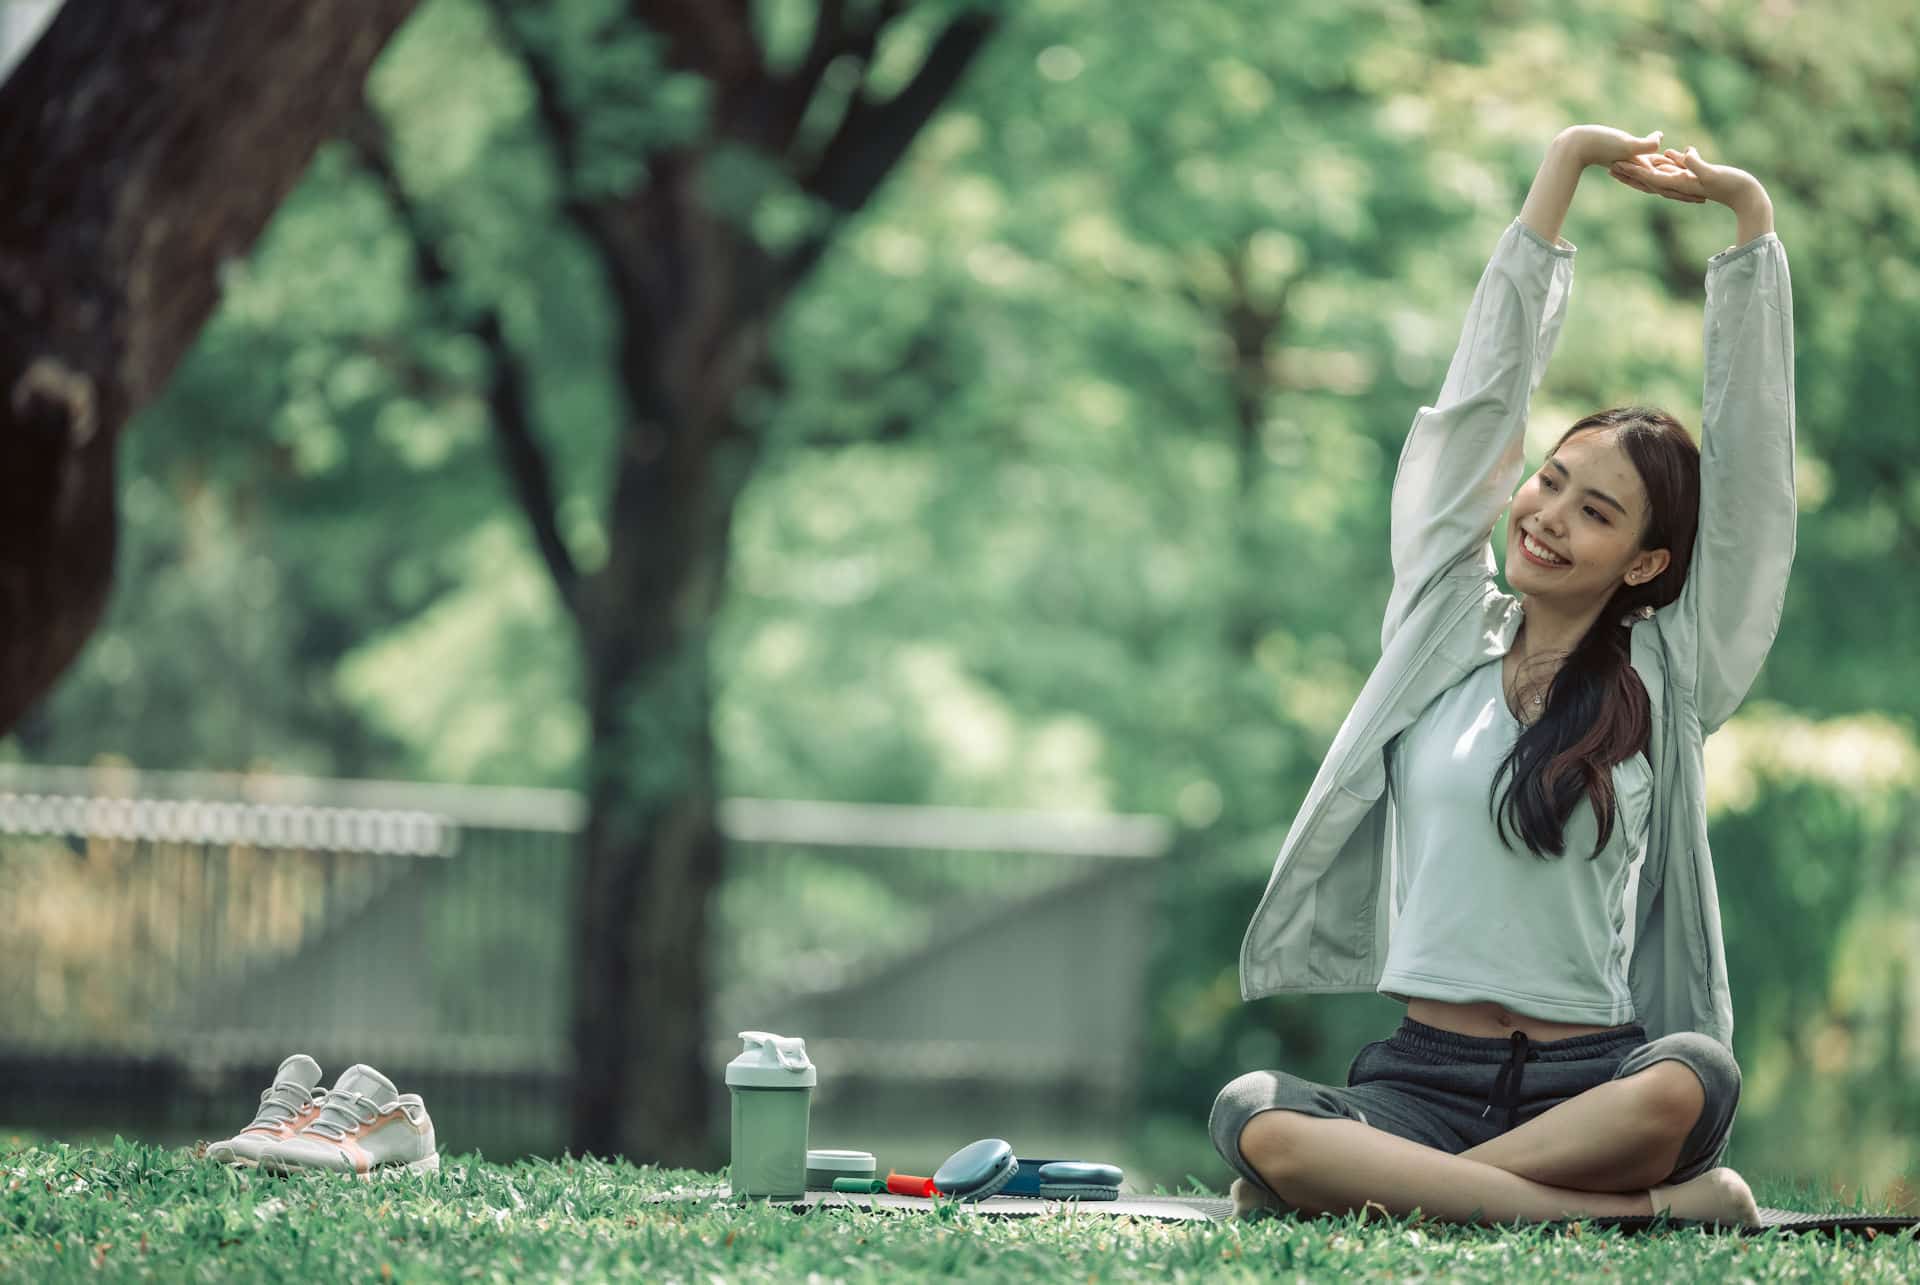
x=1508 y=834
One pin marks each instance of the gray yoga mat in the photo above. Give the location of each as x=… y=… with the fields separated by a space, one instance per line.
x=1171 y=1208
x=1791 y=1220
x=1204 y=1208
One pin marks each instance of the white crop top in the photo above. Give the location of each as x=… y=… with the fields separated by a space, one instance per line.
x=1474 y=919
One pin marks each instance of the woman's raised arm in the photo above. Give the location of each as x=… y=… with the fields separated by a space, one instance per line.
x=1730 y=607
x=1572 y=150
x=1464 y=455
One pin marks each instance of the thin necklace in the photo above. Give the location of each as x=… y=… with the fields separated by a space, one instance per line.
x=1534 y=701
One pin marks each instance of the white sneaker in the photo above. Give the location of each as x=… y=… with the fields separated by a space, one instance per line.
x=289 y=1105
x=364 y=1126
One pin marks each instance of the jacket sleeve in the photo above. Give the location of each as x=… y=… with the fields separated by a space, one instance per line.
x=1737 y=584
x=1463 y=457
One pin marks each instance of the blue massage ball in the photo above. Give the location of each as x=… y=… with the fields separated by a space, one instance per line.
x=977 y=1170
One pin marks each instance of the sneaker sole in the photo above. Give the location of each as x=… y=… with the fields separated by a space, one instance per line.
x=426 y=1164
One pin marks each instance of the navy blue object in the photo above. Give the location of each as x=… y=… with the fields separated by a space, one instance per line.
x=977 y=1170
x=1028 y=1181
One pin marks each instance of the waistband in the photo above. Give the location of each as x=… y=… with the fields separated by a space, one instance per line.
x=1498 y=1048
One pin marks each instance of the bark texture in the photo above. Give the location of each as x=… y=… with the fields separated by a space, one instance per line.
x=144 y=143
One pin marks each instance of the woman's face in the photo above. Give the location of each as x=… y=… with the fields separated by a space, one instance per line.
x=1587 y=505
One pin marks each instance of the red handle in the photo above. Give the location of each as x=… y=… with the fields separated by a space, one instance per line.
x=905 y=1184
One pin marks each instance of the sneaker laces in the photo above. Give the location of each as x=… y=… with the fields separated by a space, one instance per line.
x=342 y=1111
x=282 y=1102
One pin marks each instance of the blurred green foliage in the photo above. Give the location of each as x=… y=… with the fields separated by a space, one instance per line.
x=1073 y=486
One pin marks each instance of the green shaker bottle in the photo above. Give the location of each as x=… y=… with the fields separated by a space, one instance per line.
x=771 y=1084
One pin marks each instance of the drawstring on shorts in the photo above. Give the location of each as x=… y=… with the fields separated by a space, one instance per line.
x=1507 y=1082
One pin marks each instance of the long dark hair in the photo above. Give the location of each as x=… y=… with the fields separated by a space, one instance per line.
x=1597 y=713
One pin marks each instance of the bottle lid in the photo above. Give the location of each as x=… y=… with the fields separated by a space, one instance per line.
x=843 y=1161
x=771 y=1062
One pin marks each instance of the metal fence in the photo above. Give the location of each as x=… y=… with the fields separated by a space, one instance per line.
x=168 y=937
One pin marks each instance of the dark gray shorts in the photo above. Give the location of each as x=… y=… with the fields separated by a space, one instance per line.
x=1453 y=1092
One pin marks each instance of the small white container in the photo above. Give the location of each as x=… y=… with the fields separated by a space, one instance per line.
x=824 y=1166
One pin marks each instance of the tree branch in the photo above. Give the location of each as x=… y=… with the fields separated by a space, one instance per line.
x=619 y=239
x=562 y=130
x=826 y=45
x=507 y=400
x=873 y=136
x=832 y=41
x=712 y=37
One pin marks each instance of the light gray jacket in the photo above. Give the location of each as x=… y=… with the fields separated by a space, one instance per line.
x=1324 y=921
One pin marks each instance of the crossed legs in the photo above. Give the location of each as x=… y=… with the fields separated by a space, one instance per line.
x=1593 y=1155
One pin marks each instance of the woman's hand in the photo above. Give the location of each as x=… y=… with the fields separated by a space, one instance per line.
x=1660 y=174
x=1687 y=176
x=1605 y=145
x=1572 y=150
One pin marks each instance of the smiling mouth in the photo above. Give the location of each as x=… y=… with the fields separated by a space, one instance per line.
x=1540 y=552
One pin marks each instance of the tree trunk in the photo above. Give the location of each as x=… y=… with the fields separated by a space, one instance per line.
x=646 y=874
x=651 y=856
x=144 y=143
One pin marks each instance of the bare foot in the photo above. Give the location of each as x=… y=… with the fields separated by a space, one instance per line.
x=1718 y=1195
x=1250 y=1201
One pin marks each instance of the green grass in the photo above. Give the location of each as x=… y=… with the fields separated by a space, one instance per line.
x=132 y=1210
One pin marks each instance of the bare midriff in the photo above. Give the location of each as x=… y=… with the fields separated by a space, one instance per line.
x=1487 y=1019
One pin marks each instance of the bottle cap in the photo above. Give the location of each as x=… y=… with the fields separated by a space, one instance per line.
x=842 y=1161
x=771 y=1062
